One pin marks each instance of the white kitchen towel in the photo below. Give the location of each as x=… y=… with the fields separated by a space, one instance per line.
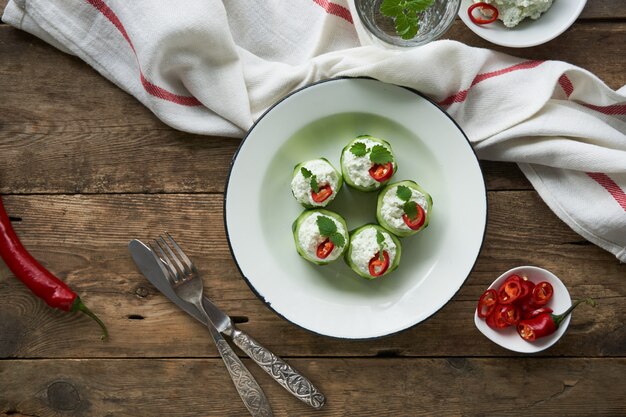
x=213 y=67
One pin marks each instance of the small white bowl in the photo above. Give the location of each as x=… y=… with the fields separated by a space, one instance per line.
x=550 y=24
x=508 y=337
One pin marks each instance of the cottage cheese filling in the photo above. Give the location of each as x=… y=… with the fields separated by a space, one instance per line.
x=512 y=12
x=357 y=167
x=325 y=173
x=364 y=248
x=392 y=207
x=309 y=237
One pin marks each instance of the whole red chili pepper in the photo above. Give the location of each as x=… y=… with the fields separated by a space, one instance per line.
x=38 y=279
x=545 y=324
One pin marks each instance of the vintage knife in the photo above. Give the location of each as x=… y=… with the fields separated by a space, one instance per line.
x=294 y=382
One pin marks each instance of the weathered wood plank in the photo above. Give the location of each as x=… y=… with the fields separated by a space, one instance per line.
x=72 y=131
x=83 y=239
x=354 y=387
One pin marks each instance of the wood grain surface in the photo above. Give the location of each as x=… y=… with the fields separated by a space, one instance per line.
x=84 y=168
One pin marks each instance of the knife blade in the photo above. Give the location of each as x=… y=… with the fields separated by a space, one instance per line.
x=149 y=267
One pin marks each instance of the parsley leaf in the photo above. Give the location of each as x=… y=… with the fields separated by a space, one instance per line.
x=306 y=173
x=358 y=149
x=380 y=155
x=410 y=208
x=338 y=239
x=380 y=239
x=404 y=193
x=314 y=185
x=326 y=226
x=405 y=15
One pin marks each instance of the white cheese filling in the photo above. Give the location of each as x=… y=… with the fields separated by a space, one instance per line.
x=392 y=207
x=325 y=173
x=364 y=247
x=309 y=237
x=512 y=12
x=357 y=167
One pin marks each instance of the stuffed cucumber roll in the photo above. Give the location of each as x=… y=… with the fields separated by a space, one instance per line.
x=373 y=251
x=404 y=208
x=367 y=163
x=321 y=236
x=315 y=183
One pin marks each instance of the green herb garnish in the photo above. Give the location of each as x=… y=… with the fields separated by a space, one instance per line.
x=328 y=228
x=358 y=149
x=308 y=174
x=404 y=193
x=410 y=208
x=380 y=155
x=405 y=15
x=380 y=239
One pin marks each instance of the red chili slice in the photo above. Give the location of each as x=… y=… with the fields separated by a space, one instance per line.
x=534 y=312
x=377 y=266
x=324 y=193
x=542 y=293
x=381 y=173
x=489 y=11
x=418 y=221
x=510 y=290
x=498 y=319
x=487 y=303
x=527 y=289
x=324 y=249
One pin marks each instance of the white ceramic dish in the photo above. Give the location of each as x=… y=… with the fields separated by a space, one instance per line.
x=320 y=120
x=508 y=338
x=551 y=24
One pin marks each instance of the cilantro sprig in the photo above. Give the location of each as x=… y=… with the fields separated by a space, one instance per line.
x=308 y=174
x=328 y=228
x=380 y=239
x=379 y=154
x=410 y=207
x=405 y=15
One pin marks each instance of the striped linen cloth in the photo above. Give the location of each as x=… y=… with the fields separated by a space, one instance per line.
x=213 y=67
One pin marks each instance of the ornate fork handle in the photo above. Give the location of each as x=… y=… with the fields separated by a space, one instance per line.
x=249 y=390
x=285 y=375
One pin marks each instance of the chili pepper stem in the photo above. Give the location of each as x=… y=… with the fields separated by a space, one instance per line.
x=79 y=306
x=560 y=317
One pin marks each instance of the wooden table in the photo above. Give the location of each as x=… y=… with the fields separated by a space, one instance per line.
x=84 y=168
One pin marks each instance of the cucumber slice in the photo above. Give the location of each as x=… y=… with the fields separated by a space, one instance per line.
x=346 y=173
x=402 y=232
x=305 y=198
x=349 y=254
x=302 y=219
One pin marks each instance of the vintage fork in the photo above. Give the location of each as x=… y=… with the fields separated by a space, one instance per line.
x=187 y=285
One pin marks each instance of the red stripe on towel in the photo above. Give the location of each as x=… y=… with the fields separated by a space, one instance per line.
x=335 y=9
x=462 y=95
x=152 y=89
x=612 y=110
x=611 y=186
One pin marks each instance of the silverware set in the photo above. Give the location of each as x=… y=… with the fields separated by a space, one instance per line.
x=170 y=270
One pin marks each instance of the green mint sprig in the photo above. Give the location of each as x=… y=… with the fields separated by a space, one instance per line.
x=405 y=15
x=308 y=174
x=410 y=207
x=380 y=239
x=328 y=228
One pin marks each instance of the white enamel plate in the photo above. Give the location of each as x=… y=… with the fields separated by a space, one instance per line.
x=318 y=121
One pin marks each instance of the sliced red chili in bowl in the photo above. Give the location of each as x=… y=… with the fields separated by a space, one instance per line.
x=534 y=312
x=510 y=290
x=527 y=289
x=541 y=294
x=487 y=303
x=488 y=11
x=499 y=318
